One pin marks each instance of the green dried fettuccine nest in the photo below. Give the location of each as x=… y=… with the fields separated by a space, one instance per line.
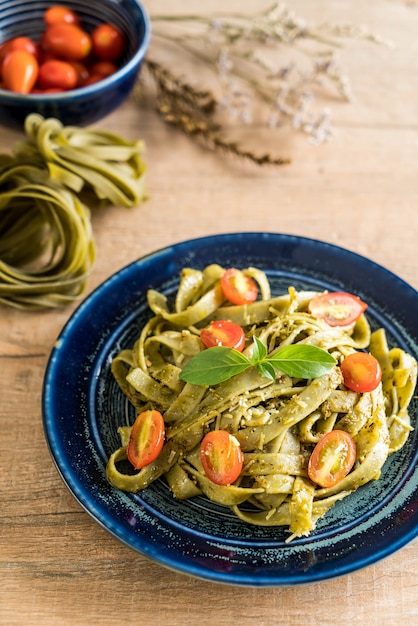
x=46 y=245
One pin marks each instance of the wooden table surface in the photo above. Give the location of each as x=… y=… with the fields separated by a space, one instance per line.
x=359 y=191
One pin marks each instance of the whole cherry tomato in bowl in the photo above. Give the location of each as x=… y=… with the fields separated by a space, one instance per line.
x=67 y=41
x=58 y=14
x=108 y=42
x=57 y=74
x=20 y=71
x=19 y=43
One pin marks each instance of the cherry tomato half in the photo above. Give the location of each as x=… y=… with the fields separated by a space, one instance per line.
x=223 y=333
x=337 y=308
x=147 y=438
x=66 y=41
x=332 y=458
x=108 y=42
x=57 y=74
x=20 y=71
x=361 y=372
x=237 y=287
x=221 y=457
x=60 y=13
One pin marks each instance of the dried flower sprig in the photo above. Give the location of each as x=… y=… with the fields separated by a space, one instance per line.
x=272 y=60
x=191 y=110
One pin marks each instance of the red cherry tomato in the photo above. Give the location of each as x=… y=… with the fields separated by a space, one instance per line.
x=60 y=13
x=103 y=68
x=57 y=74
x=20 y=71
x=332 y=458
x=221 y=457
x=108 y=42
x=20 y=43
x=99 y=71
x=337 y=308
x=147 y=438
x=223 y=333
x=361 y=372
x=67 y=41
x=83 y=74
x=237 y=287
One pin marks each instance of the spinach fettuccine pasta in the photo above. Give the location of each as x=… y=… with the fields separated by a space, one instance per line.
x=47 y=187
x=309 y=401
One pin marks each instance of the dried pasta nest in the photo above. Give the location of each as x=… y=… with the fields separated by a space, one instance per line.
x=46 y=244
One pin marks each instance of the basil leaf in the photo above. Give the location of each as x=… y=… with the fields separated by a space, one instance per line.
x=267 y=369
x=302 y=361
x=214 y=365
x=259 y=351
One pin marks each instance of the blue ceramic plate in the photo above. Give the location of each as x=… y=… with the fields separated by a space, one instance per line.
x=83 y=408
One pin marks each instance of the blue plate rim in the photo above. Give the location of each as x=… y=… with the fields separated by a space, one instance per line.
x=99 y=510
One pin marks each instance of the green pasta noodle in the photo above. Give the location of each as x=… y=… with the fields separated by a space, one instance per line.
x=276 y=422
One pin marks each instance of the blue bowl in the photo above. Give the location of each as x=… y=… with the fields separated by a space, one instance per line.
x=85 y=105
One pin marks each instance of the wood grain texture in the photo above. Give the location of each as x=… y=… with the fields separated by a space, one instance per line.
x=360 y=191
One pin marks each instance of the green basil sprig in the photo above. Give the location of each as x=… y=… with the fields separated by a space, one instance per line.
x=216 y=365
